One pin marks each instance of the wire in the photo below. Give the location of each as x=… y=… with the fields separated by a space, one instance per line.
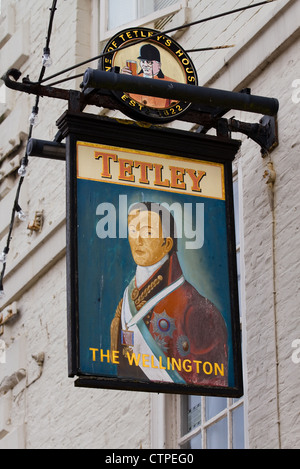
x=203 y=20
x=66 y=79
x=24 y=161
x=203 y=49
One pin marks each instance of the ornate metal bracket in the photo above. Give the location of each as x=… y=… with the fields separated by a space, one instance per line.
x=264 y=133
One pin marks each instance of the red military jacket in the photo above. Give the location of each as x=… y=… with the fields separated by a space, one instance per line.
x=185 y=331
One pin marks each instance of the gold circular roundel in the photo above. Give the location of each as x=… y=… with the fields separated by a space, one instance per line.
x=147 y=53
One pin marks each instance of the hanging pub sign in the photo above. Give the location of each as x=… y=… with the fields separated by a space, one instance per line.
x=146 y=53
x=152 y=282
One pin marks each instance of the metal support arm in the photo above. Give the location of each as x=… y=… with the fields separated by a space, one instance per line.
x=263 y=133
x=188 y=93
x=208 y=105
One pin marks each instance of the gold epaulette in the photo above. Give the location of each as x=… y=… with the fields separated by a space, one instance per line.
x=115 y=328
x=140 y=298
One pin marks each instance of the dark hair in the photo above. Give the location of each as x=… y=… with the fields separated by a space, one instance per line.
x=166 y=218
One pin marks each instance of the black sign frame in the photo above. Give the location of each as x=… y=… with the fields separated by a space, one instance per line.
x=98 y=130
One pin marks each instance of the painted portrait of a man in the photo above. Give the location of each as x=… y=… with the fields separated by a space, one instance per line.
x=164 y=330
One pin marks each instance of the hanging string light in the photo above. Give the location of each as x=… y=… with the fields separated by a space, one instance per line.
x=3 y=255
x=46 y=59
x=33 y=121
x=22 y=170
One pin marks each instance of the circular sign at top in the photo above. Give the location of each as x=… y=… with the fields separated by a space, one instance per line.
x=147 y=53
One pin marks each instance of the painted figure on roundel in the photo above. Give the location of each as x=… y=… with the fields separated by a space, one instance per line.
x=151 y=67
x=162 y=319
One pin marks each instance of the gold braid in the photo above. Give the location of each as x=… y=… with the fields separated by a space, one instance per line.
x=115 y=328
x=140 y=301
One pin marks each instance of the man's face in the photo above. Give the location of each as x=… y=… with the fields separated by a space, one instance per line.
x=150 y=67
x=146 y=240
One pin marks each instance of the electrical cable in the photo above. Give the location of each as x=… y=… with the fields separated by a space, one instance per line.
x=202 y=49
x=178 y=28
x=24 y=161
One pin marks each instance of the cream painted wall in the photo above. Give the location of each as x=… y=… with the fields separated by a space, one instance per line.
x=43 y=409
